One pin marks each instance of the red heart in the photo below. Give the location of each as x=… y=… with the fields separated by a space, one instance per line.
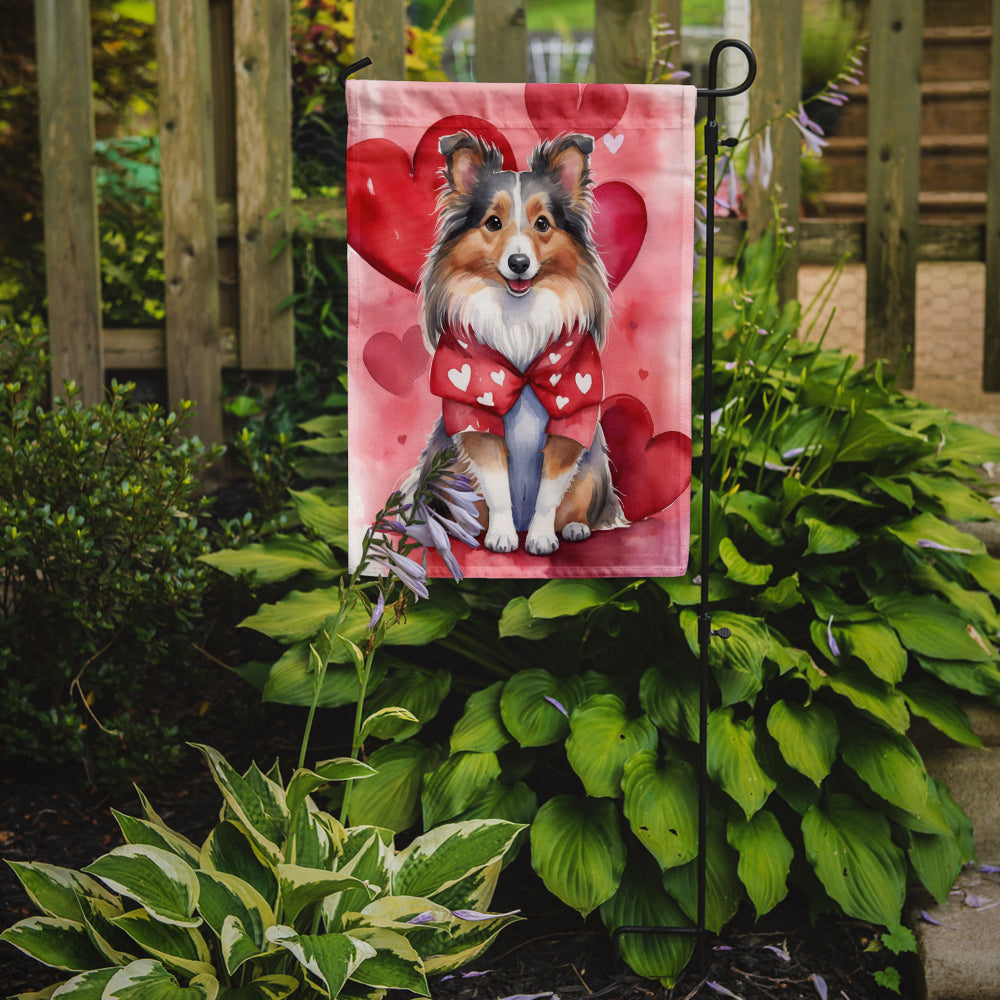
x=393 y=200
x=556 y=108
x=396 y=366
x=619 y=227
x=649 y=472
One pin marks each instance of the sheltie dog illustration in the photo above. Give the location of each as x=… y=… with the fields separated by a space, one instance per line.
x=515 y=310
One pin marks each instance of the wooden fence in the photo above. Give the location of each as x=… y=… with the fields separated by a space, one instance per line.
x=226 y=161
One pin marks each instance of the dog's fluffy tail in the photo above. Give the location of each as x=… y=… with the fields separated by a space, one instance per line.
x=605 y=509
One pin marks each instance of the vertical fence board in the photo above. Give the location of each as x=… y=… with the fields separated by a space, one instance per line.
x=501 y=41
x=893 y=184
x=776 y=35
x=262 y=61
x=72 y=257
x=190 y=254
x=991 y=333
x=380 y=34
x=621 y=40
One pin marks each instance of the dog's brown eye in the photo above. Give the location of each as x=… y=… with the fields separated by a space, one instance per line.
x=542 y=224
x=493 y=223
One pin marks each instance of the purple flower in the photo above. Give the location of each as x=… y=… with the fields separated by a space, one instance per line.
x=761 y=163
x=410 y=573
x=927 y=543
x=475 y=915
x=820 y=983
x=427 y=917
x=780 y=952
x=811 y=132
x=558 y=705
x=834 y=648
x=719 y=988
x=377 y=612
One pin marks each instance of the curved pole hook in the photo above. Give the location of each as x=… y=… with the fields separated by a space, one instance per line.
x=713 y=69
x=352 y=68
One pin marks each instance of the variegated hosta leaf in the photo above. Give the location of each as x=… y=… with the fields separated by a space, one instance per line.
x=300 y=887
x=395 y=964
x=732 y=760
x=475 y=891
x=578 y=851
x=367 y=853
x=230 y=849
x=661 y=805
x=535 y=706
x=275 y=987
x=98 y=915
x=304 y=782
x=441 y=857
x=54 y=941
x=225 y=897
x=256 y=801
x=850 y=847
x=56 y=891
x=158 y=880
x=467 y=940
x=456 y=784
x=141 y=831
x=177 y=947
x=765 y=858
x=642 y=902
x=86 y=986
x=602 y=737
x=328 y=959
x=888 y=763
x=481 y=727
x=315 y=838
x=147 y=979
x=807 y=736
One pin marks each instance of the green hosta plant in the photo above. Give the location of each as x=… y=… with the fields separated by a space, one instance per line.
x=279 y=900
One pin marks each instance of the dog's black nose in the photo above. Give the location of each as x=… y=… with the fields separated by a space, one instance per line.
x=519 y=262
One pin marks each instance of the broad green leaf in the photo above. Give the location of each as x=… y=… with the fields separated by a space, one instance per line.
x=888 y=763
x=279 y=558
x=304 y=782
x=870 y=435
x=739 y=569
x=274 y=987
x=684 y=592
x=456 y=784
x=876 y=646
x=758 y=511
x=180 y=948
x=640 y=901
x=807 y=736
x=395 y=964
x=330 y=959
x=941 y=709
x=732 y=760
x=957 y=501
x=301 y=887
x=391 y=798
x=783 y=595
x=561 y=598
x=976 y=605
x=661 y=800
x=928 y=528
x=56 y=891
x=931 y=628
x=142 y=831
x=530 y=706
x=893 y=488
x=481 y=728
x=602 y=738
x=231 y=850
x=260 y=809
x=976 y=678
x=828 y=539
x=54 y=941
x=385 y=723
x=516 y=803
x=765 y=858
x=147 y=979
x=986 y=571
x=292 y=680
x=327 y=520
x=671 y=699
x=937 y=860
x=163 y=884
x=738 y=661
x=517 y=620
x=420 y=691
x=225 y=897
x=850 y=848
x=438 y=859
x=578 y=851
x=965 y=443
x=866 y=692
x=723 y=889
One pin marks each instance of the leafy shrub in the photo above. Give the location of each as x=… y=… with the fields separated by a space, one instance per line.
x=99 y=540
x=279 y=899
x=854 y=604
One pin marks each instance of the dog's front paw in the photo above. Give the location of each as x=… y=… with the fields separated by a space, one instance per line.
x=501 y=536
x=541 y=543
x=576 y=531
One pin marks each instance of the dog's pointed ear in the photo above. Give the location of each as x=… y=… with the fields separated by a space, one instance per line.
x=464 y=156
x=568 y=160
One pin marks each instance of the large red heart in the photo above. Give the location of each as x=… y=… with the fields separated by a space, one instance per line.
x=393 y=364
x=649 y=472
x=557 y=108
x=619 y=227
x=392 y=200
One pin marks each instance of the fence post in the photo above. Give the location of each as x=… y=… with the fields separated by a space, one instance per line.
x=72 y=255
x=501 y=41
x=380 y=34
x=622 y=40
x=776 y=34
x=190 y=251
x=892 y=214
x=991 y=333
x=262 y=62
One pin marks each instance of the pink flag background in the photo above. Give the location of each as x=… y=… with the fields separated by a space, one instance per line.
x=643 y=182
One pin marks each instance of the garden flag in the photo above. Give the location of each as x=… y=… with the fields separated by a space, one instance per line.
x=520 y=282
